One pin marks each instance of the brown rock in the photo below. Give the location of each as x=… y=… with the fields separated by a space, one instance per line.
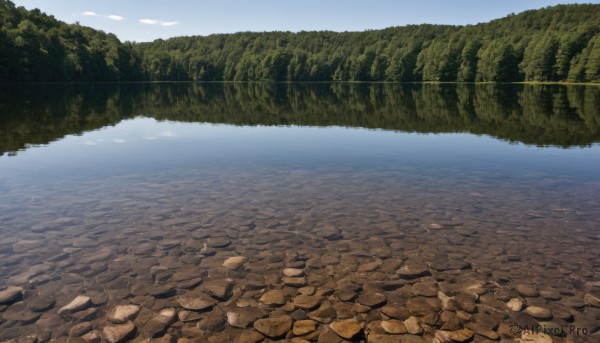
x=11 y=294
x=358 y=308
x=80 y=329
x=162 y=291
x=118 y=333
x=249 y=336
x=243 y=317
x=293 y=272
x=40 y=303
x=535 y=338
x=324 y=314
x=294 y=281
x=219 y=289
x=550 y=294
x=307 y=290
x=395 y=311
x=394 y=326
x=303 y=327
x=461 y=335
x=328 y=231
x=423 y=289
x=160 y=322
x=189 y=316
x=273 y=297
x=483 y=331
x=486 y=320
x=218 y=242
x=81 y=302
x=539 y=312
x=306 y=302
x=412 y=325
x=412 y=339
x=346 y=328
x=196 y=301
x=515 y=304
x=375 y=337
x=448 y=303
x=235 y=262
x=413 y=271
x=123 y=313
x=274 y=327
x=591 y=300
x=372 y=299
x=527 y=291
x=92 y=337
x=345 y=295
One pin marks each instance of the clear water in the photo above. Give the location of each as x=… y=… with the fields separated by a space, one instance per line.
x=504 y=177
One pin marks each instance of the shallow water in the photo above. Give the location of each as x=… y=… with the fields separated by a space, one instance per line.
x=113 y=192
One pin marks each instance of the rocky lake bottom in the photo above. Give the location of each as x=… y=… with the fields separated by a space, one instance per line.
x=298 y=255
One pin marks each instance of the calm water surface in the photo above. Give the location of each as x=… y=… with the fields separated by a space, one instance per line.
x=138 y=193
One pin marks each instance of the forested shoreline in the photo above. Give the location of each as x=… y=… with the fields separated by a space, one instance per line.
x=553 y=44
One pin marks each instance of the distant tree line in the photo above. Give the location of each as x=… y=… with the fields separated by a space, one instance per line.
x=560 y=43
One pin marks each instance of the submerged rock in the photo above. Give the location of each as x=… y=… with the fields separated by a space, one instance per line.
x=235 y=262
x=539 y=312
x=515 y=304
x=119 y=332
x=81 y=302
x=303 y=327
x=11 y=294
x=273 y=297
x=394 y=326
x=243 y=317
x=274 y=327
x=196 y=301
x=160 y=322
x=372 y=299
x=346 y=328
x=123 y=313
x=306 y=302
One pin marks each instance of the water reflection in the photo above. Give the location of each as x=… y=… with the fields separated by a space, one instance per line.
x=542 y=115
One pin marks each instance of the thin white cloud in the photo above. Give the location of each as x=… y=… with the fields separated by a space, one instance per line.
x=158 y=22
x=90 y=14
x=164 y=134
x=115 y=17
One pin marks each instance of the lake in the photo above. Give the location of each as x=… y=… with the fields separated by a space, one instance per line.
x=237 y=211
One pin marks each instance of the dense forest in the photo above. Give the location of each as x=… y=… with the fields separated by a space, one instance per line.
x=556 y=115
x=35 y=47
x=560 y=43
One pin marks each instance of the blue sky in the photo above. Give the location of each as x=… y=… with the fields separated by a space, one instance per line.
x=146 y=20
